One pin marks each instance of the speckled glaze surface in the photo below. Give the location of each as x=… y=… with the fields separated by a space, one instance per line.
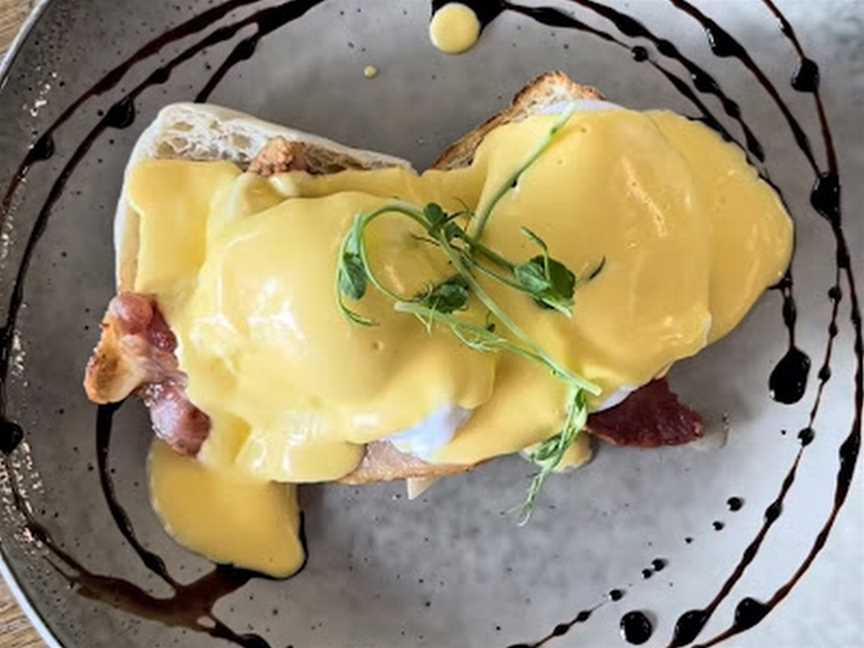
x=448 y=569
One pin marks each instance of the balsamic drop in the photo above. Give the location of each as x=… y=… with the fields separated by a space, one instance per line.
x=11 y=436
x=121 y=114
x=160 y=75
x=773 y=511
x=718 y=525
x=721 y=43
x=825 y=196
x=806 y=77
x=583 y=616
x=806 y=436
x=788 y=380
x=749 y=612
x=659 y=564
x=734 y=503
x=688 y=627
x=252 y=641
x=43 y=148
x=636 y=628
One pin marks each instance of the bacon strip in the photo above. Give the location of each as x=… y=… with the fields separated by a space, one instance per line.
x=136 y=355
x=650 y=417
x=279 y=156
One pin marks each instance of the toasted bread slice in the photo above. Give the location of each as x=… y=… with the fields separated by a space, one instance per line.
x=198 y=132
x=551 y=93
x=204 y=132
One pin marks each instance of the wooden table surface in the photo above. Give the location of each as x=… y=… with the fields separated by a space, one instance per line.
x=15 y=631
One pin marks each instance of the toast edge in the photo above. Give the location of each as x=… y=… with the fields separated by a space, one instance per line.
x=543 y=90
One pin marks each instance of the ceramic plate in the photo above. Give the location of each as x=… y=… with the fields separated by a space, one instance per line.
x=448 y=569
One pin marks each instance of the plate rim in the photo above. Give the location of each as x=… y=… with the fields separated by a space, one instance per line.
x=7 y=567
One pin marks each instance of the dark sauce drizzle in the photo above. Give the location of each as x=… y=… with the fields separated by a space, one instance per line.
x=104 y=428
x=191 y=605
x=554 y=17
x=702 y=80
x=789 y=379
x=43 y=148
x=616 y=594
x=825 y=199
x=636 y=627
x=562 y=628
x=197 y=599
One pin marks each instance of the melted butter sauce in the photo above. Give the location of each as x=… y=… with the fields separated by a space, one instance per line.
x=200 y=596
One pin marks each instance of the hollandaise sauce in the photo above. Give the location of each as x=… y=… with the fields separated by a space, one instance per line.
x=221 y=517
x=192 y=604
x=244 y=269
x=454 y=28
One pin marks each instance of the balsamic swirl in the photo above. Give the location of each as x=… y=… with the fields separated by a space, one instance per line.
x=787 y=383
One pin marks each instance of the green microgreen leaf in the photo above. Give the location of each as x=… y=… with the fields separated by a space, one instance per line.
x=479 y=338
x=441 y=221
x=352 y=270
x=513 y=180
x=352 y=274
x=549 y=454
x=434 y=214
x=549 y=281
x=448 y=296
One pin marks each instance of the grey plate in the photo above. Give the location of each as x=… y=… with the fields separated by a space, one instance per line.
x=447 y=570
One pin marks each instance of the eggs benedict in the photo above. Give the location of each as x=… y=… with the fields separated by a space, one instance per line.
x=293 y=311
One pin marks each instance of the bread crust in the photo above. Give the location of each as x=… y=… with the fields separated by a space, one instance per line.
x=550 y=90
x=383 y=462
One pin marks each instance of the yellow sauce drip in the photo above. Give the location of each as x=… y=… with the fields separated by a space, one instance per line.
x=454 y=28
x=244 y=269
x=248 y=523
x=578 y=454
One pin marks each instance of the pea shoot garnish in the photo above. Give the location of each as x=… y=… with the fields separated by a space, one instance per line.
x=542 y=278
